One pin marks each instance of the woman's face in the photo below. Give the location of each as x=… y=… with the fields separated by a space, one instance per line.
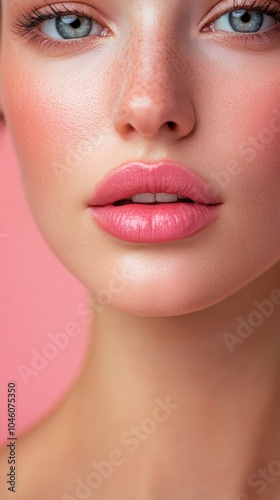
x=83 y=97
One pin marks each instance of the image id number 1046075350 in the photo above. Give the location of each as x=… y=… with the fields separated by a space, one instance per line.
x=11 y=439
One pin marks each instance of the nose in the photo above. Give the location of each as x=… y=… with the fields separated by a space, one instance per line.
x=154 y=95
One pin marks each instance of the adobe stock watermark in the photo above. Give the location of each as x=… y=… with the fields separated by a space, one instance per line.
x=249 y=150
x=260 y=480
x=60 y=340
x=104 y=297
x=77 y=158
x=130 y=441
x=246 y=327
x=40 y=360
x=253 y=145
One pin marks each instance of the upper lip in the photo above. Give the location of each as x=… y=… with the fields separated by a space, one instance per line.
x=164 y=177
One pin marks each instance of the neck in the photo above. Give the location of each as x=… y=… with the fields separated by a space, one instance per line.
x=203 y=388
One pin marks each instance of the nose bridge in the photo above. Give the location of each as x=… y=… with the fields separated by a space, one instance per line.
x=150 y=66
x=152 y=85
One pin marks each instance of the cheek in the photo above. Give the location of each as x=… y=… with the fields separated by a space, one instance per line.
x=59 y=132
x=45 y=122
x=33 y=107
x=240 y=128
x=253 y=177
x=55 y=125
x=255 y=172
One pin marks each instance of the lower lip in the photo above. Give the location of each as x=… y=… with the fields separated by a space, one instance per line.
x=139 y=223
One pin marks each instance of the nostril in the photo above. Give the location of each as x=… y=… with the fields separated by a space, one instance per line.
x=171 y=125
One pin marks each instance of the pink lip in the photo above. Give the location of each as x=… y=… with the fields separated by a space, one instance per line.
x=141 y=223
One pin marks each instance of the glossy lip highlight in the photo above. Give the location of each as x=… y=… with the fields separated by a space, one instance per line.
x=164 y=177
x=153 y=223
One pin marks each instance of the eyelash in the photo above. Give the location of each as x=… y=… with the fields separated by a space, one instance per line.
x=27 y=22
x=269 y=7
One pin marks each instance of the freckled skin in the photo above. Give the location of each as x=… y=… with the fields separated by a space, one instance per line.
x=84 y=114
x=140 y=90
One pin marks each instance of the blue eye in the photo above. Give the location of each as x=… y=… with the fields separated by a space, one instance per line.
x=71 y=27
x=243 y=21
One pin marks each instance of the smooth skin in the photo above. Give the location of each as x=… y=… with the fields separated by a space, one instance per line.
x=169 y=330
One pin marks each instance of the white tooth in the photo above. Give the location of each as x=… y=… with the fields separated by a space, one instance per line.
x=182 y=197
x=166 y=198
x=144 y=198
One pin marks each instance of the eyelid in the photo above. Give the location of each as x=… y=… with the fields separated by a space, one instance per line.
x=227 y=6
x=27 y=23
x=19 y=27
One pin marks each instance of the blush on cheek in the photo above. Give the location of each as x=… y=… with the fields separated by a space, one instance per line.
x=53 y=115
x=258 y=114
x=254 y=123
x=261 y=145
x=44 y=128
x=34 y=119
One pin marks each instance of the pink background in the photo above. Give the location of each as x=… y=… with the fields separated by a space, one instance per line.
x=38 y=297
